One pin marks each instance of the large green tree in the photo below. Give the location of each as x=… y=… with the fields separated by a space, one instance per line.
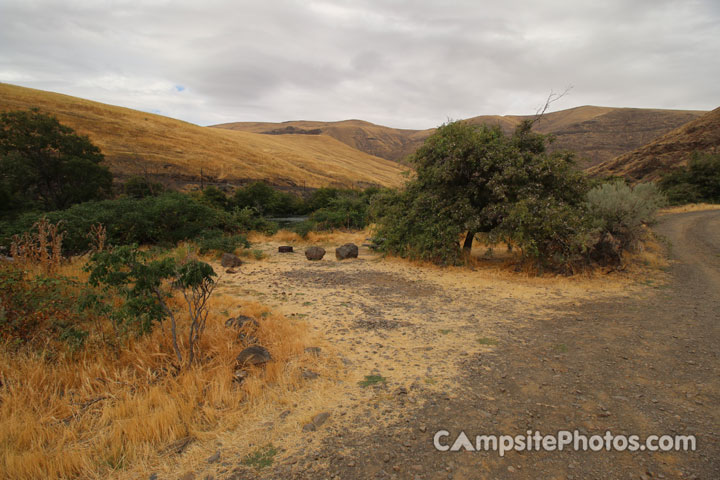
x=468 y=179
x=46 y=165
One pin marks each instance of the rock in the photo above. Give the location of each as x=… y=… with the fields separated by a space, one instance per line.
x=214 y=457
x=309 y=375
x=320 y=418
x=179 y=446
x=309 y=427
x=153 y=476
x=229 y=260
x=241 y=321
x=254 y=355
x=285 y=249
x=230 y=271
x=314 y=253
x=349 y=250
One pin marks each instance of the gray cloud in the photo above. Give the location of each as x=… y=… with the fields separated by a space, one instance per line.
x=404 y=63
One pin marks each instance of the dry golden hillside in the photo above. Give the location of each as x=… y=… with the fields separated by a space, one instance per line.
x=596 y=134
x=390 y=143
x=135 y=142
x=671 y=150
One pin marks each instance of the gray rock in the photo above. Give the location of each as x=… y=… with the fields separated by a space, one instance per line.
x=314 y=253
x=229 y=260
x=214 y=457
x=320 y=418
x=254 y=355
x=349 y=250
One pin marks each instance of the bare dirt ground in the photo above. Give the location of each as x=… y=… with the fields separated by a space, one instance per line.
x=489 y=353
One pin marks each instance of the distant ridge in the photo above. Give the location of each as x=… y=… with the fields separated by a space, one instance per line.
x=596 y=134
x=178 y=153
x=669 y=151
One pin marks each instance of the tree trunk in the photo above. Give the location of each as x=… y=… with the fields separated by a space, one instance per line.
x=467 y=245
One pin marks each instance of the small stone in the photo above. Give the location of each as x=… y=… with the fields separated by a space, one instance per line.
x=511 y=469
x=214 y=457
x=230 y=271
x=309 y=375
x=351 y=463
x=386 y=458
x=153 y=476
x=253 y=355
x=309 y=427
x=423 y=428
x=320 y=418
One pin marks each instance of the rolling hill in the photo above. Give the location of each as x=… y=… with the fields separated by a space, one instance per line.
x=177 y=152
x=671 y=150
x=596 y=134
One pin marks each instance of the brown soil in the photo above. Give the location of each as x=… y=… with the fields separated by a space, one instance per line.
x=468 y=351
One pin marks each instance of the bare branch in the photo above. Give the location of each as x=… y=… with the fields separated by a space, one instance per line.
x=552 y=98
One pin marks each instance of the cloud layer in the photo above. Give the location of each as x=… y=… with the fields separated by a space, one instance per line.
x=403 y=63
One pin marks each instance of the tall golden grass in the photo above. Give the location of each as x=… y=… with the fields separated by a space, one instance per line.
x=102 y=411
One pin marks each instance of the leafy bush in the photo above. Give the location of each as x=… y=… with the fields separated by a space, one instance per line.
x=415 y=225
x=698 y=182
x=549 y=233
x=167 y=218
x=216 y=241
x=41 y=308
x=619 y=213
x=248 y=219
x=303 y=228
x=347 y=210
x=141 y=187
x=144 y=280
x=266 y=200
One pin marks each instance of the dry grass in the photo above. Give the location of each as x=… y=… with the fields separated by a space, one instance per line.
x=104 y=412
x=335 y=237
x=139 y=143
x=692 y=207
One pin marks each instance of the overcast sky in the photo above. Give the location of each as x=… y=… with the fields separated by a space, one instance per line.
x=405 y=63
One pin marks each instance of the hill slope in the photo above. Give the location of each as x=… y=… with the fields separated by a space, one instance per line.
x=135 y=142
x=596 y=134
x=671 y=150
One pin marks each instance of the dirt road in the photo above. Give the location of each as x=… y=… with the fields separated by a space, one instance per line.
x=640 y=362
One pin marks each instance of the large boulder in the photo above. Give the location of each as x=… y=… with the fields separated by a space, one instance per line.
x=229 y=260
x=314 y=253
x=349 y=250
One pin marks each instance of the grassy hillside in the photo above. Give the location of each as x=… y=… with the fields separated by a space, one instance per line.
x=596 y=134
x=390 y=143
x=671 y=150
x=135 y=142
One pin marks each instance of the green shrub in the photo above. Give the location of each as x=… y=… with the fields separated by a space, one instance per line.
x=619 y=213
x=167 y=218
x=266 y=200
x=141 y=187
x=303 y=228
x=549 y=233
x=698 y=182
x=144 y=281
x=248 y=219
x=216 y=241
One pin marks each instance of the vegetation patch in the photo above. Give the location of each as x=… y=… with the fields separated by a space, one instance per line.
x=261 y=458
x=372 y=380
